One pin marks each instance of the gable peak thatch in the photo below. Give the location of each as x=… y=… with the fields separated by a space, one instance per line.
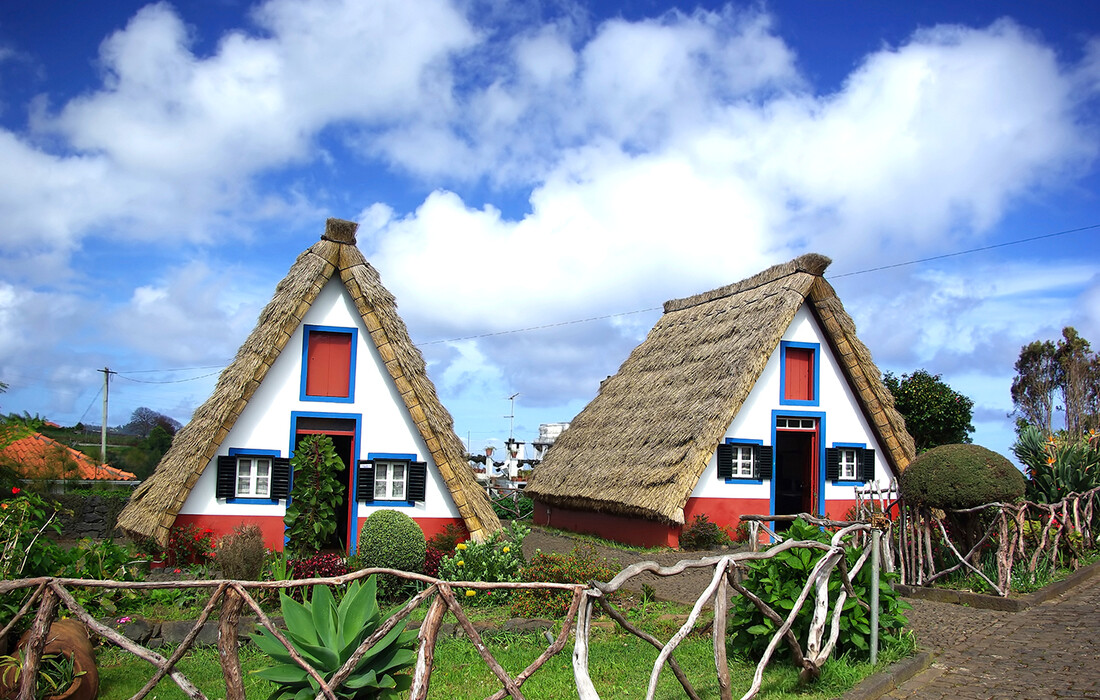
x=810 y=263
x=340 y=231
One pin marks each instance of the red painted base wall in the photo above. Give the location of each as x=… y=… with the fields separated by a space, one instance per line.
x=639 y=532
x=272 y=527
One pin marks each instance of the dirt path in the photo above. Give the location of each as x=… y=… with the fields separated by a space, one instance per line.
x=685 y=587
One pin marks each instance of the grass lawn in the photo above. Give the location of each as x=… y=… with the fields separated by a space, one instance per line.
x=619 y=663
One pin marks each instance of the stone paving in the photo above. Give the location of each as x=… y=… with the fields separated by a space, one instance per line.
x=1050 y=650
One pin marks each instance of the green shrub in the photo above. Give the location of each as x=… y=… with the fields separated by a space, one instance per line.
x=580 y=566
x=960 y=476
x=701 y=533
x=445 y=541
x=241 y=553
x=499 y=558
x=779 y=580
x=390 y=539
x=519 y=508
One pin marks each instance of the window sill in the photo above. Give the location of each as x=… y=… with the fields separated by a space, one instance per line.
x=248 y=500
x=847 y=482
x=746 y=480
x=390 y=504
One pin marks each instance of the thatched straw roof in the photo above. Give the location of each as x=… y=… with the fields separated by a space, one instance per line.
x=640 y=446
x=155 y=504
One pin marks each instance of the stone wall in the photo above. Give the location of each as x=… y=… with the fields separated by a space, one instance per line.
x=89 y=514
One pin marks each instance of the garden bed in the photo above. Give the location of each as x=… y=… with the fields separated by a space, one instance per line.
x=1014 y=603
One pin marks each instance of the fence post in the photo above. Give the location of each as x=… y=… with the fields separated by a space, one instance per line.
x=876 y=542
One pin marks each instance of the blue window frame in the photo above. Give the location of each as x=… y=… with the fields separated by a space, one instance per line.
x=811 y=383
x=265 y=472
x=344 y=364
x=744 y=461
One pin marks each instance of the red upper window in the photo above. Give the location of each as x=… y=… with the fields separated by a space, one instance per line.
x=328 y=360
x=799 y=372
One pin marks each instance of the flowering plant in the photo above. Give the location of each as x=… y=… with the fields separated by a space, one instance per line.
x=188 y=544
x=499 y=558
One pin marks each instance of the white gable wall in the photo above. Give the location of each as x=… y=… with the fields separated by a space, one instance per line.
x=265 y=423
x=844 y=420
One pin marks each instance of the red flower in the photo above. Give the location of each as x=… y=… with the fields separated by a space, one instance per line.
x=15 y=490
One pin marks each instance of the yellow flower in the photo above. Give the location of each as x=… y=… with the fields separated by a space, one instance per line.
x=507 y=549
x=460 y=545
x=461 y=562
x=470 y=592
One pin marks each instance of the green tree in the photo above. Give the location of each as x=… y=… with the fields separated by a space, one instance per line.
x=935 y=414
x=1068 y=370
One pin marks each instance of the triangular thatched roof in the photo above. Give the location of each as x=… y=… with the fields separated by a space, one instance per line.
x=155 y=504
x=641 y=445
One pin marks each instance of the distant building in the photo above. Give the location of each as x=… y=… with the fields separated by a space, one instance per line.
x=36 y=456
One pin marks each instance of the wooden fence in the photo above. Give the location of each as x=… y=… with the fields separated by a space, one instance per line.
x=920 y=548
x=49 y=593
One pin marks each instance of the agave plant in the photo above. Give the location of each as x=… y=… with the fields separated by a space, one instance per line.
x=1057 y=467
x=326 y=635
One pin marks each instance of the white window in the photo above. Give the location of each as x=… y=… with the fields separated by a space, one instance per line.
x=390 y=480
x=847 y=459
x=253 y=477
x=743 y=461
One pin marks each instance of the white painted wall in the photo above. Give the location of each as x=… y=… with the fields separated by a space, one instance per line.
x=844 y=421
x=265 y=422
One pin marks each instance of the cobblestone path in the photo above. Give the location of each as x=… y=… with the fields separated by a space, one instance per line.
x=1051 y=650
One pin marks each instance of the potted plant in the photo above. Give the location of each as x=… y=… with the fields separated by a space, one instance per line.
x=67 y=670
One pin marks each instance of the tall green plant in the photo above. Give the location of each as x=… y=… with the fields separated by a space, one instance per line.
x=311 y=516
x=326 y=635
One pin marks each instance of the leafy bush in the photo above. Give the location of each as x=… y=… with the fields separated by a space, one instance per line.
x=703 y=534
x=445 y=541
x=389 y=539
x=519 y=508
x=960 y=476
x=442 y=544
x=241 y=553
x=327 y=634
x=25 y=550
x=317 y=566
x=1057 y=467
x=498 y=558
x=778 y=582
x=311 y=516
x=580 y=566
x=188 y=544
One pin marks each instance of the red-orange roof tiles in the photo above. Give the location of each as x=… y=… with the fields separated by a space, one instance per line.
x=39 y=457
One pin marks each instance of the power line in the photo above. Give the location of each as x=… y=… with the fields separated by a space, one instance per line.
x=168 y=381
x=966 y=252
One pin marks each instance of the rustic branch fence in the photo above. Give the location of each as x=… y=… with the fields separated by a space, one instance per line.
x=48 y=593
x=919 y=546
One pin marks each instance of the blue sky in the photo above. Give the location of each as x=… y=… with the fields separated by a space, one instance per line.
x=520 y=165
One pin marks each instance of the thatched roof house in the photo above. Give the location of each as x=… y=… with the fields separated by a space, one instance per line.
x=639 y=449
x=331 y=268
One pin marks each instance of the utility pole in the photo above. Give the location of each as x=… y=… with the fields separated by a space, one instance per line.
x=103 y=428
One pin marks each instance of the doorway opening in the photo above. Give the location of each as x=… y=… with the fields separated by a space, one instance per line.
x=342 y=433
x=796 y=468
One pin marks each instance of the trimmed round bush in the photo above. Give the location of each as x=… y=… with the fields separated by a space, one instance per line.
x=960 y=476
x=390 y=539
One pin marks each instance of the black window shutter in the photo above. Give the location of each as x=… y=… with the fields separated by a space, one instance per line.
x=418 y=482
x=280 y=477
x=763 y=462
x=832 y=463
x=725 y=461
x=227 y=477
x=364 y=490
x=867 y=466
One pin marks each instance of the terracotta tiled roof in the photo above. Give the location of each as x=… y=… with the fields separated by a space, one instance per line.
x=39 y=457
